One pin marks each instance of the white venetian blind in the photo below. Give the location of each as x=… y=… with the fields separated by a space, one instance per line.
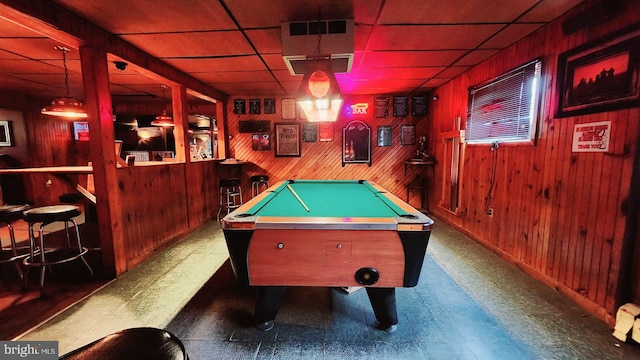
x=505 y=109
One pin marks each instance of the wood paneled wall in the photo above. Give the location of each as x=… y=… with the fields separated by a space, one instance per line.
x=154 y=207
x=51 y=143
x=558 y=215
x=323 y=160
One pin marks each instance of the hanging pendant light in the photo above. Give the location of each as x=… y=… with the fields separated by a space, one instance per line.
x=67 y=106
x=319 y=95
x=163 y=119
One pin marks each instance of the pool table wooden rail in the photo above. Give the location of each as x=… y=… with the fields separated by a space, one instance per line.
x=324 y=258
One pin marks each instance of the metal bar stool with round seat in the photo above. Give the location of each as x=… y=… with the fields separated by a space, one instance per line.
x=8 y=215
x=230 y=195
x=44 y=216
x=259 y=182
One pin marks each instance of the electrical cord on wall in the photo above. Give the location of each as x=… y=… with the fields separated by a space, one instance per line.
x=494 y=164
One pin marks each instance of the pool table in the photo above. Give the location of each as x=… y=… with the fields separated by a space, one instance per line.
x=334 y=233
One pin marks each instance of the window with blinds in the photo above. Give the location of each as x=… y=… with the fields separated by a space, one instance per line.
x=506 y=108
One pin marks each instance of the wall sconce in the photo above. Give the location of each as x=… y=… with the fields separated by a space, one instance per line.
x=319 y=95
x=66 y=106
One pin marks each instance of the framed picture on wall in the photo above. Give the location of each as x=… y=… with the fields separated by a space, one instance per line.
x=325 y=131
x=384 y=136
x=269 y=106
x=400 y=106
x=419 y=105
x=239 y=106
x=5 y=133
x=407 y=135
x=254 y=106
x=260 y=142
x=288 y=140
x=601 y=75
x=289 y=109
x=381 y=106
x=310 y=132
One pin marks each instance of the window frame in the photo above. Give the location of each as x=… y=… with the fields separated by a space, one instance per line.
x=535 y=108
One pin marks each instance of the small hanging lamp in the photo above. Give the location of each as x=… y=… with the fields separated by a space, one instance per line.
x=163 y=119
x=67 y=106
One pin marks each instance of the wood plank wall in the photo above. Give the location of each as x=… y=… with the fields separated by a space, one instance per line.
x=51 y=143
x=323 y=160
x=154 y=208
x=558 y=215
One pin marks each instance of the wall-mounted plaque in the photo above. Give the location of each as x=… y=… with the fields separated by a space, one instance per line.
x=288 y=109
x=400 y=106
x=382 y=107
x=239 y=106
x=419 y=106
x=254 y=106
x=384 y=135
x=269 y=106
x=310 y=132
x=407 y=135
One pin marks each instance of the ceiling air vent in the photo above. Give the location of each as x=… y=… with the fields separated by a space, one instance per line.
x=300 y=39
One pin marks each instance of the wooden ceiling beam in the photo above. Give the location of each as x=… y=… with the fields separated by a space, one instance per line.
x=56 y=22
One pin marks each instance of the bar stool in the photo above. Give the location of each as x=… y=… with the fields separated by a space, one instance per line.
x=37 y=251
x=8 y=215
x=258 y=181
x=90 y=212
x=230 y=195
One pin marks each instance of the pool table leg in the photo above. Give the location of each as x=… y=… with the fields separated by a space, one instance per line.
x=383 y=302
x=268 y=300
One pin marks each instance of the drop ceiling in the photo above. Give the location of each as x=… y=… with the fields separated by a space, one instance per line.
x=235 y=46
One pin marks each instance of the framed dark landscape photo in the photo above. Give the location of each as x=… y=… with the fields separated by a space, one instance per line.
x=599 y=76
x=288 y=140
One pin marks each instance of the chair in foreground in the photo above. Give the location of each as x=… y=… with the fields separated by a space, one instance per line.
x=136 y=343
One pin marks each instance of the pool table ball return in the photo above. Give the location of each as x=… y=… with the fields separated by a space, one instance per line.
x=333 y=233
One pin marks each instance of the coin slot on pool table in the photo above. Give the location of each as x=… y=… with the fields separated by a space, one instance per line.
x=338 y=248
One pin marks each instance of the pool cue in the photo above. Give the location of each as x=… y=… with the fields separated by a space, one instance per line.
x=297 y=197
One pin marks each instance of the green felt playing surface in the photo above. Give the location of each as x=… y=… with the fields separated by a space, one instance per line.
x=327 y=198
